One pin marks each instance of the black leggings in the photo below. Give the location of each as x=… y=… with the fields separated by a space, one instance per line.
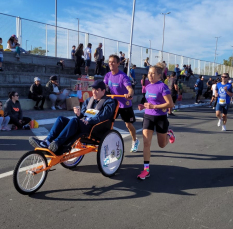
x=16 y=122
x=143 y=100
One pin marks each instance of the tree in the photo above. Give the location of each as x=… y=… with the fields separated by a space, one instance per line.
x=228 y=62
x=39 y=51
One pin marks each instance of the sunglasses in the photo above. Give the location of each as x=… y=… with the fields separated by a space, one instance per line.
x=0 y=105
x=16 y=95
x=225 y=77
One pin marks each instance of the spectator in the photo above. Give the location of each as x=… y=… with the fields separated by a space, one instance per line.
x=213 y=99
x=54 y=93
x=132 y=77
x=4 y=120
x=146 y=63
x=73 y=52
x=36 y=93
x=61 y=63
x=13 y=109
x=98 y=55
x=1 y=55
x=144 y=83
x=179 y=99
x=165 y=70
x=87 y=57
x=126 y=66
x=177 y=71
x=13 y=45
x=78 y=59
x=167 y=79
x=122 y=60
x=120 y=54
x=172 y=84
x=198 y=88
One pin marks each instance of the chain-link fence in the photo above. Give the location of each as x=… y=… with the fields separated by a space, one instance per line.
x=33 y=34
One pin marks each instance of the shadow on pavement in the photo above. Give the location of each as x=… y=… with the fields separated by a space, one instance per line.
x=164 y=179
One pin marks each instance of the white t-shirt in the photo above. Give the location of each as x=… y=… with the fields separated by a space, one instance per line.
x=213 y=88
x=86 y=53
x=55 y=89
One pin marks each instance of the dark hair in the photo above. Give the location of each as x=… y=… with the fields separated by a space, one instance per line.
x=200 y=76
x=0 y=39
x=116 y=57
x=143 y=79
x=134 y=66
x=121 y=52
x=225 y=74
x=89 y=44
x=0 y=101
x=73 y=46
x=173 y=74
x=80 y=46
x=11 y=94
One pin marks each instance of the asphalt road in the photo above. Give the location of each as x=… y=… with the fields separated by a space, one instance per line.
x=190 y=186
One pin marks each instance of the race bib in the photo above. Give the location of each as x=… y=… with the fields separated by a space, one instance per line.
x=90 y=113
x=222 y=101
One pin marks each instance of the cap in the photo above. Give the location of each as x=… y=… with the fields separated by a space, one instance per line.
x=53 y=77
x=14 y=36
x=230 y=81
x=202 y=77
x=99 y=84
x=36 y=79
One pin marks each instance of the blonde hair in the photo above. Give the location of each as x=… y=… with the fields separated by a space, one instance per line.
x=159 y=67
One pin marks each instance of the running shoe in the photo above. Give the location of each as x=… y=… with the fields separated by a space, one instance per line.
x=59 y=107
x=223 y=127
x=135 y=145
x=53 y=108
x=53 y=146
x=5 y=128
x=172 y=136
x=219 y=122
x=37 y=143
x=143 y=175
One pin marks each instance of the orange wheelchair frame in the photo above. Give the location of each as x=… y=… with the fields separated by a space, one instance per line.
x=78 y=150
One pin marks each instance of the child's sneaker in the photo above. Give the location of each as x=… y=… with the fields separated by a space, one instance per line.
x=5 y=128
x=14 y=127
x=143 y=175
x=172 y=136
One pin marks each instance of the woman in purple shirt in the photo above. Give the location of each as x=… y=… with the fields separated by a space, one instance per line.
x=159 y=100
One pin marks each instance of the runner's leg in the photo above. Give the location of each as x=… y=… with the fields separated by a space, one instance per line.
x=131 y=129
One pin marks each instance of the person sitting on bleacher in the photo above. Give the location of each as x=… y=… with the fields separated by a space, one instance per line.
x=100 y=106
x=54 y=92
x=36 y=93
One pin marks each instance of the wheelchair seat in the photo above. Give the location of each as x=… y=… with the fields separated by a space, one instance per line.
x=95 y=135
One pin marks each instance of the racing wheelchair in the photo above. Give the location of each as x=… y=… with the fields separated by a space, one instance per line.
x=32 y=168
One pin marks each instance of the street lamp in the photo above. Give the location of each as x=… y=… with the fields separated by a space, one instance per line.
x=26 y=44
x=131 y=37
x=78 y=31
x=55 y=28
x=216 y=49
x=164 y=14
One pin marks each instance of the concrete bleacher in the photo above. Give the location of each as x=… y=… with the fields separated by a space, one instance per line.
x=18 y=75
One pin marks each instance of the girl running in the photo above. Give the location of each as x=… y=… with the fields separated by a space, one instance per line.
x=159 y=100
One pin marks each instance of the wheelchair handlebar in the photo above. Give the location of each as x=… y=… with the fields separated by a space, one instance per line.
x=113 y=96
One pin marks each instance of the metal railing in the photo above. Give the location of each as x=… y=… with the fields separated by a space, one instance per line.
x=37 y=34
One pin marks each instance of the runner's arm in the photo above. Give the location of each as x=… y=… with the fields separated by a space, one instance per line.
x=130 y=91
x=168 y=103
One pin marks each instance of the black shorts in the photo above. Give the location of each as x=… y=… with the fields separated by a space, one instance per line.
x=160 y=123
x=127 y=114
x=174 y=98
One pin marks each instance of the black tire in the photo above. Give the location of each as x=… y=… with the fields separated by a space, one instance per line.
x=67 y=166
x=38 y=157
x=114 y=139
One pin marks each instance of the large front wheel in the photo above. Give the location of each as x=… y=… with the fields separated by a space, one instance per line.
x=25 y=179
x=110 y=153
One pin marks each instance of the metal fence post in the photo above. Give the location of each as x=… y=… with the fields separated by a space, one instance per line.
x=86 y=39
x=104 y=47
x=175 y=60
x=168 y=60
x=117 y=47
x=141 y=58
x=181 y=61
x=67 y=44
x=46 y=40
x=19 y=29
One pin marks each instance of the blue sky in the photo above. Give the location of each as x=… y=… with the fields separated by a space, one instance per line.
x=191 y=27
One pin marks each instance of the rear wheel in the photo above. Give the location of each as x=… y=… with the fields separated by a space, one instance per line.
x=25 y=180
x=110 y=153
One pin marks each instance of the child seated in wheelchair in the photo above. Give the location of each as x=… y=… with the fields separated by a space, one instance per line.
x=94 y=110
